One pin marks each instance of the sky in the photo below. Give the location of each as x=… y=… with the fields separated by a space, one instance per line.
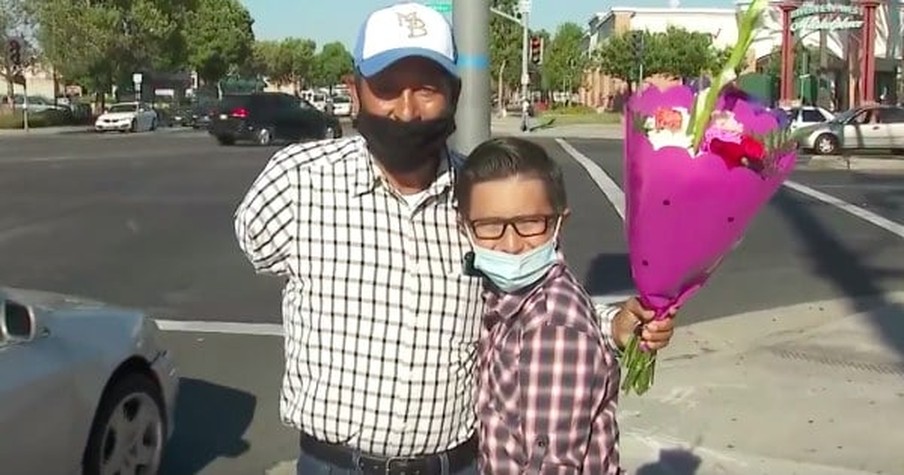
x=338 y=20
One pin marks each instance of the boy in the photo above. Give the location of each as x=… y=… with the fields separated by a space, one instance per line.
x=548 y=385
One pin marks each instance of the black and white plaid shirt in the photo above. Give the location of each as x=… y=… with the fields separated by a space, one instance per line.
x=381 y=323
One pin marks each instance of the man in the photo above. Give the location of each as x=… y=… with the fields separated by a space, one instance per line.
x=381 y=316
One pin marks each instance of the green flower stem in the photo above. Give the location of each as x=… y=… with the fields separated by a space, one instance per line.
x=704 y=106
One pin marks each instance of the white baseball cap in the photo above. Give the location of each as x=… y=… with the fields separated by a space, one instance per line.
x=404 y=30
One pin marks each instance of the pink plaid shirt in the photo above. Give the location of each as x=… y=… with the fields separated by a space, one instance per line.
x=548 y=383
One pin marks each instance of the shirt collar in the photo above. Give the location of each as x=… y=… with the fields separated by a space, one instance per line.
x=501 y=306
x=368 y=175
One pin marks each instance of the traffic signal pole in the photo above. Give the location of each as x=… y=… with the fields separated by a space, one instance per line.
x=525 y=76
x=471 y=22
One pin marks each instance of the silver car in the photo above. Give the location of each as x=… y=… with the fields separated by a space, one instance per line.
x=84 y=387
x=867 y=127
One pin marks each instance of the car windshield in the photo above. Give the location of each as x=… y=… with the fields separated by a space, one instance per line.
x=341 y=100
x=122 y=108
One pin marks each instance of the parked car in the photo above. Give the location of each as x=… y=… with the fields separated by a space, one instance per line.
x=85 y=387
x=127 y=117
x=264 y=117
x=868 y=127
x=806 y=116
x=342 y=106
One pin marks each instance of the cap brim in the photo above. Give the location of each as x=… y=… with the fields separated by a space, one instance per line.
x=377 y=63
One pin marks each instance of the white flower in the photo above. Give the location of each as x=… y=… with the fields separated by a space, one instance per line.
x=668 y=135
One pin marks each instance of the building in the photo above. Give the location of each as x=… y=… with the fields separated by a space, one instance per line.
x=834 y=29
x=602 y=91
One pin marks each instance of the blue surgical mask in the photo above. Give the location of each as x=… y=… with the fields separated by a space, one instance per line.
x=512 y=272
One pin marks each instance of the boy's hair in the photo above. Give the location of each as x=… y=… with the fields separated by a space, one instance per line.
x=506 y=157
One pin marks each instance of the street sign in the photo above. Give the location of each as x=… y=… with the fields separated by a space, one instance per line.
x=524 y=6
x=136 y=78
x=442 y=6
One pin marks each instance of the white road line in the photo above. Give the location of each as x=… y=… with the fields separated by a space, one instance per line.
x=866 y=215
x=276 y=329
x=603 y=181
x=615 y=195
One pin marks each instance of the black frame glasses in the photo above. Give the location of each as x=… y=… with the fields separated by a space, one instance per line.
x=524 y=226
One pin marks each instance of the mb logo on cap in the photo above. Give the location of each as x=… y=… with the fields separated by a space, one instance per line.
x=416 y=26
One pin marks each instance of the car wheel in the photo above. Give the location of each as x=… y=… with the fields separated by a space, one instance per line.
x=226 y=140
x=129 y=429
x=134 y=126
x=264 y=136
x=826 y=144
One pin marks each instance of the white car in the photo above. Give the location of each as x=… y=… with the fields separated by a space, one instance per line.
x=806 y=116
x=127 y=117
x=342 y=106
x=84 y=387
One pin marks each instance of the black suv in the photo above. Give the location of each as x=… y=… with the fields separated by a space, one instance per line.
x=264 y=117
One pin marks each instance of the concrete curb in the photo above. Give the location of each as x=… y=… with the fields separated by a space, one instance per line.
x=738 y=333
x=853 y=163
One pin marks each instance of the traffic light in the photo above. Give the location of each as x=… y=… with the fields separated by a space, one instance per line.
x=14 y=53
x=637 y=45
x=536 y=50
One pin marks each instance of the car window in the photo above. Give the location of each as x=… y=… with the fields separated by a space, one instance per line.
x=233 y=102
x=891 y=115
x=813 y=115
x=123 y=108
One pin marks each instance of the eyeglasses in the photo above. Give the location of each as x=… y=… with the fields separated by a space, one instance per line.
x=525 y=226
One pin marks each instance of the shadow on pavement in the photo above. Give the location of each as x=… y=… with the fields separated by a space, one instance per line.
x=672 y=462
x=211 y=421
x=847 y=272
x=609 y=274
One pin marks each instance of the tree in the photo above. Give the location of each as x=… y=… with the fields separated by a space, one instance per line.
x=505 y=48
x=682 y=53
x=220 y=39
x=101 y=43
x=13 y=20
x=564 y=60
x=330 y=65
x=292 y=61
x=616 y=56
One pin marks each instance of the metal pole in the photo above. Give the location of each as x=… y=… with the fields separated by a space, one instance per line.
x=525 y=77
x=25 y=104
x=471 y=23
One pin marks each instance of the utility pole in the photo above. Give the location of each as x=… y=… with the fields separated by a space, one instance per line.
x=524 y=21
x=525 y=58
x=471 y=23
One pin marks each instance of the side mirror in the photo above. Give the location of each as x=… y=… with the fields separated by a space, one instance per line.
x=18 y=322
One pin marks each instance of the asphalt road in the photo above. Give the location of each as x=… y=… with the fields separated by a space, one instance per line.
x=146 y=220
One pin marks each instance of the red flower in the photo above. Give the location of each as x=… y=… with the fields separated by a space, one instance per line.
x=749 y=153
x=753 y=148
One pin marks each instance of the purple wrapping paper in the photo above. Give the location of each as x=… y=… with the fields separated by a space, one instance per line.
x=684 y=214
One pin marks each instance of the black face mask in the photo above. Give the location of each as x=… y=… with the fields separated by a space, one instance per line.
x=402 y=147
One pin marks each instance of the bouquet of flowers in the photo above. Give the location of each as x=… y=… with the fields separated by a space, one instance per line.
x=698 y=167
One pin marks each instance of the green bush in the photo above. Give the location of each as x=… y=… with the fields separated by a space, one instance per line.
x=48 y=118
x=576 y=109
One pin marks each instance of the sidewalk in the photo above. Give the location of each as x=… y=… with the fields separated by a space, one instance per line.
x=511 y=125
x=37 y=131
x=809 y=389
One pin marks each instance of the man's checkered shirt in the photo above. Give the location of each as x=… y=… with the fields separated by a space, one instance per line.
x=381 y=323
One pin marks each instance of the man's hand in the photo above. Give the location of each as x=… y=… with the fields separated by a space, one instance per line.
x=654 y=334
